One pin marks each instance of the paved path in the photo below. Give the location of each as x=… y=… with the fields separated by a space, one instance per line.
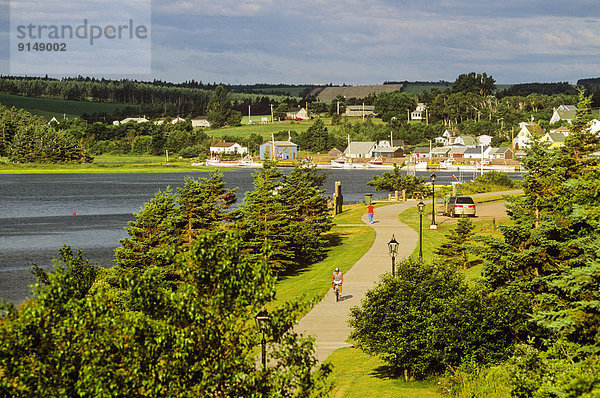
x=328 y=320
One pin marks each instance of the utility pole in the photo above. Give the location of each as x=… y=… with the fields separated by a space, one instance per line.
x=249 y=114
x=338 y=107
x=271 y=112
x=363 y=112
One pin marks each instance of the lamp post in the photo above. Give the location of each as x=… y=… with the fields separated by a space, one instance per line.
x=261 y=319
x=421 y=207
x=433 y=225
x=393 y=250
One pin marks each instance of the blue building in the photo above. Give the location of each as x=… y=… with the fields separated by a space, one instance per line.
x=283 y=150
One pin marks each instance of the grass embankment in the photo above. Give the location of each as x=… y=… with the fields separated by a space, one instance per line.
x=105 y=164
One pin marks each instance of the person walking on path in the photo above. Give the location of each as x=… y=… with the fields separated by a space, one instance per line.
x=370 y=213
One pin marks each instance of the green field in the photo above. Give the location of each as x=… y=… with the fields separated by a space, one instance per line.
x=50 y=108
x=264 y=130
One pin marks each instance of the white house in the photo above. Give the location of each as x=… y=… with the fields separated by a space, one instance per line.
x=525 y=136
x=419 y=113
x=563 y=112
x=595 y=126
x=464 y=140
x=173 y=121
x=478 y=152
x=359 y=149
x=131 y=119
x=200 y=121
x=484 y=139
x=228 y=148
x=297 y=113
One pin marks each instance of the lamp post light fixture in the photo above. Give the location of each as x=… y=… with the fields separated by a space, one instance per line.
x=421 y=207
x=393 y=250
x=261 y=323
x=433 y=225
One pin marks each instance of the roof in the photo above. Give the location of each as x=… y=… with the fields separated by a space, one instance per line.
x=420 y=149
x=561 y=129
x=281 y=143
x=476 y=150
x=566 y=115
x=360 y=107
x=533 y=129
x=223 y=144
x=468 y=140
x=386 y=149
x=557 y=137
x=566 y=108
x=503 y=150
x=457 y=151
x=360 y=147
x=441 y=149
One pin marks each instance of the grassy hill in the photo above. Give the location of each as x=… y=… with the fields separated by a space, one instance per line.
x=49 y=108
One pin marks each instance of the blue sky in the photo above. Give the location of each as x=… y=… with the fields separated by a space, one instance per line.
x=368 y=42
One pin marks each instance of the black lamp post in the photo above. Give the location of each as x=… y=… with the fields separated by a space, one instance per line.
x=433 y=225
x=421 y=207
x=393 y=250
x=261 y=320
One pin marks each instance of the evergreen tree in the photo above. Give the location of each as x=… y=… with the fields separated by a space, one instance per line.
x=203 y=204
x=154 y=230
x=219 y=108
x=551 y=252
x=306 y=210
x=263 y=221
x=455 y=249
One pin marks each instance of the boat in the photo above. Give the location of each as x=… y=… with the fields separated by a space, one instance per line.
x=213 y=162
x=247 y=161
x=342 y=163
x=377 y=163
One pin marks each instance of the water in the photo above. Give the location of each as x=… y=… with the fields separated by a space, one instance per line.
x=36 y=213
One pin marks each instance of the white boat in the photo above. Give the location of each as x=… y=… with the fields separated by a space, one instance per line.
x=246 y=161
x=342 y=163
x=377 y=163
x=213 y=162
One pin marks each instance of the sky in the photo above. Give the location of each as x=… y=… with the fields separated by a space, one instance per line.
x=364 y=42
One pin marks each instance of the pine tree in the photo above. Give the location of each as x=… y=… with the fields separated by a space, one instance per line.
x=203 y=204
x=154 y=230
x=551 y=252
x=306 y=210
x=455 y=249
x=263 y=222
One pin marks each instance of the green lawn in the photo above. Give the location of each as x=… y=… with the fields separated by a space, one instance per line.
x=264 y=130
x=349 y=244
x=359 y=375
x=49 y=108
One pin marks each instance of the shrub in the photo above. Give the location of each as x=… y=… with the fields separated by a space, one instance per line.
x=191 y=151
x=427 y=317
x=496 y=178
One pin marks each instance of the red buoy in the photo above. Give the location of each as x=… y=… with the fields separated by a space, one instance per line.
x=74 y=214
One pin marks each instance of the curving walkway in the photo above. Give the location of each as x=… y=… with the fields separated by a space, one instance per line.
x=328 y=320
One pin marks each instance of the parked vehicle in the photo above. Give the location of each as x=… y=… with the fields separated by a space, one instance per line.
x=460 y=205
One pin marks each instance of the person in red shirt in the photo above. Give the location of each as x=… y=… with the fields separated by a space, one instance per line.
x=370 y=213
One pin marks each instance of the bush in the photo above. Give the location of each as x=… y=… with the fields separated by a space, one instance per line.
x=141 y=145
x=427 y=317
x=496 y=178
x=191 y=151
